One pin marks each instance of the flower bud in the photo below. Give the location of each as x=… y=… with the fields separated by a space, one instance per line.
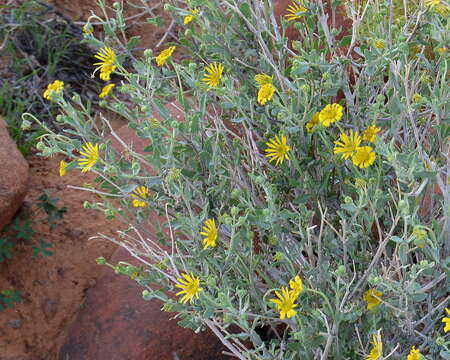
x=234 y=211
x=100 y=260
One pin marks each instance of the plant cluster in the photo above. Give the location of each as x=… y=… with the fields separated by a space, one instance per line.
x=300 y=209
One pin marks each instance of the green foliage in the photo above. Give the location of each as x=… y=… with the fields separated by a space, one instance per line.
x=49 y=205
x=6 y=247
x=9 y=297
x=42 y=248
x=344 y=229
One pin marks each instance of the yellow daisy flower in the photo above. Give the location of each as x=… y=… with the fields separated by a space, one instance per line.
x=266 y=93
x=62 y=168
x=311 y=124
x=370 y=133
x=141 y=193
x=295 y=10
x=188 y=18
x=364 y=157
x=348 y=144
x=379 y=44
x=210 y=231
x=107 y=64
x=263 y=79
x=53 y=89
x=90 y=153
x=377 y=348
x=213 y=74
x=330 y=114
x=296 y=286
x=373 y=298
x=106 y=90
x=285 y=303
x=191 y=287
x=164 y=55
x=446 y=321
x=277 y=149
x=414 y=354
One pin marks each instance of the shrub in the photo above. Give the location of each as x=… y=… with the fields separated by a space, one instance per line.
x=303 y=200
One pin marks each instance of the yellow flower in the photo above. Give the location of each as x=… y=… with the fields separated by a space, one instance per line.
x=370 y=133
x=191 y=16
x=53 y=89
x=213 y=74
x=107 y=64
x=420 y=236
x=360 y=183
x=277 y=149
x=90 y=154
x=348 y=144
x=330 y=114
x=364 y=157
x=295 y=10
x=441 y=51
x=414 y=354
x=164 y=55
x=140 y=194
x=296 y=286
x=446 y=321
x=263 y=79
x=62 y=168
x=379 y=43
x=373 y=298
x=311 y=124
x=266 y=93
x=377 y=348
x=191 y=287
x=285 y=303
x=210 y=231
x=106 y=90
x=438 y=6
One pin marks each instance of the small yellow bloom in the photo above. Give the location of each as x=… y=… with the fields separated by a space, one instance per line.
x=191 y=16
x=107 y=64
x=379 y=44
x=446 y=321
x=263 y=79
x=191 y=287
x=348 y=144
x=90 y=154
x=210 y=231
x=277 y=149
x=266 y=93
x=285 y=303
x=330 y=114
x=377 y=348
x=88 y=29
x=420 y=236
x=106 y=90
x=370 y=133
x=364 y=157
x=53 y=89
x=311 y=124
x=438 y=6
x=441 y=50
x=373 y=298
x=213 y=74
x=164 y=55
x=141 y=194
x=296 y=286
x=295 y=10
x=62 y=168
x=360 y=183
x=414 y=354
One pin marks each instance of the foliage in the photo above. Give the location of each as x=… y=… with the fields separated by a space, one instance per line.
x=364 y=224
x=49 y=205
x=9 y=297
x=38 y=44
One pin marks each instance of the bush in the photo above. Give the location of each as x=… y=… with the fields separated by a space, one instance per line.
x=304 y=198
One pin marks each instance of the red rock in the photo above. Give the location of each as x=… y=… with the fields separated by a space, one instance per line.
x=115 y=323
x=13 y=176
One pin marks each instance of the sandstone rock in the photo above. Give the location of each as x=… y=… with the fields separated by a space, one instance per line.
x=13 y=176
x=115 y=323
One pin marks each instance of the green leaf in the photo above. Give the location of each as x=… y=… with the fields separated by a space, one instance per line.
x=157 y=21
